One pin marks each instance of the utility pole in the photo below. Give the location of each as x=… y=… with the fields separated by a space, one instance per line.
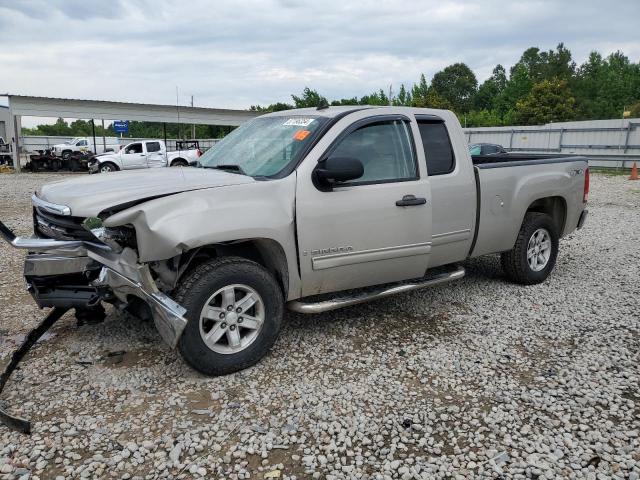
x=391 y=95
x=193 y=126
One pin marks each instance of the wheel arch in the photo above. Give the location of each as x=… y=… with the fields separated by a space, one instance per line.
x=179 y=159
x=554 y=206
x=264 y=251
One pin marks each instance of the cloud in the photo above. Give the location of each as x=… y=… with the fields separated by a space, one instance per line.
x=235 y=54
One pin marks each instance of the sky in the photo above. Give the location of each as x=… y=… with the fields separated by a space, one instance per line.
x=231 y=54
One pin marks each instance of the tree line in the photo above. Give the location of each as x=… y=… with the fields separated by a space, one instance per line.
x=542 y=87
x=83 y=128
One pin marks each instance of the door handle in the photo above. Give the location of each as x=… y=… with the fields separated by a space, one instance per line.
x=411 y=200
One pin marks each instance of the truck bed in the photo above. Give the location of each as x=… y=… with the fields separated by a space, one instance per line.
x=515 y=159
x=509 y=184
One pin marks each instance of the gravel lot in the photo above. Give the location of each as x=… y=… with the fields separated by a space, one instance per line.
x=477 y=379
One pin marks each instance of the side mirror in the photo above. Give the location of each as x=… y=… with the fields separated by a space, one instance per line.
x=337 y=170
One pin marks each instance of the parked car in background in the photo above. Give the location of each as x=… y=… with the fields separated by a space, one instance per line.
x=486 y=149
x=144 y=154
x=84 y=145
x=289 y=206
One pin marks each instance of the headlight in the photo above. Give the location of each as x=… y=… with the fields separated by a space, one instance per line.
x=115 y=237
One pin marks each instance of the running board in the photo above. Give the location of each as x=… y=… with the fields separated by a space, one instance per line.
x=328 y=305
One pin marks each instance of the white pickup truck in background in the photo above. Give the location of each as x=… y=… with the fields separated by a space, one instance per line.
x=144 y=154
x=85 y=144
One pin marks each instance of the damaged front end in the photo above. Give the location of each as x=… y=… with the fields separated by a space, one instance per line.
x=66 y=272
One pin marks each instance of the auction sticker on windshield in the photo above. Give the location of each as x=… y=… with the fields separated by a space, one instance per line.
x=299 y=122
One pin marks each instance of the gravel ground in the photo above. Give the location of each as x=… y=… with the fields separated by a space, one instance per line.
x=478 y=379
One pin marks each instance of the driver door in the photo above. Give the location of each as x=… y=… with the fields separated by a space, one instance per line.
x=362 y=233
x=134 y=156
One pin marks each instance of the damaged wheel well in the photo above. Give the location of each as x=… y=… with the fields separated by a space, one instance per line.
x=264 y=251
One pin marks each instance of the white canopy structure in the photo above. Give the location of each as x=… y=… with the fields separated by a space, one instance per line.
x=22 y=105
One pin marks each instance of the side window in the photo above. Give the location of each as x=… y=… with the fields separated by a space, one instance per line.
x=385 y=150
x=475 y=150
x=153 y=147
x=82 y=143
x=489 y=149
x=134 y=148
x=437 y=147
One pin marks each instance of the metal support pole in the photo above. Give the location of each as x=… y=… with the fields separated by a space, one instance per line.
x=93 y=130
x=16 y=143
x=193 y=125
x=626 y=140
x=164 y=129
x=104 y=140
x=511 y=139
x=560 y=139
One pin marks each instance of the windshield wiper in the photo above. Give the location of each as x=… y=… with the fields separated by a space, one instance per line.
x=228 y=167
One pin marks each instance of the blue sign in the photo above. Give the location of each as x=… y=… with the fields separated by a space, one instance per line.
x=121 y=126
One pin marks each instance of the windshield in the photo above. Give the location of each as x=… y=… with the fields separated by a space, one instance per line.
x=474 y=149
x=264 y=146
x=72 y=141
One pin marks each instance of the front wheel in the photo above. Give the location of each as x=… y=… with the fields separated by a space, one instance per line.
x=108 y=167
x=234 y=312
x=534 y=255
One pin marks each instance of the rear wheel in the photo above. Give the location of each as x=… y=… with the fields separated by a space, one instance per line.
x=234 y=312
x=108 y=167
x=179 y=162
x=534 y=255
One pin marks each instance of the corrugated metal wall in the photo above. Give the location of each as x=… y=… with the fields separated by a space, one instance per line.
x=612 y=143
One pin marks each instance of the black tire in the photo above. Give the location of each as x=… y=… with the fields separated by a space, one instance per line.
x=56 y=164
x=515 y=263
x=107 y=167
x=179 y=162
x=66 y=154
x=194 y=291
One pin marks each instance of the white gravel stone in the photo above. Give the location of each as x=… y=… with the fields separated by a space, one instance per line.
x=477 y=379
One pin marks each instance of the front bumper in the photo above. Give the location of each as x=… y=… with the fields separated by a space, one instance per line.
x=77 y=274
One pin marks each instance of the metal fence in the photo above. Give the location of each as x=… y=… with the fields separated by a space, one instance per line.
x=607 y=143
x=32 y=143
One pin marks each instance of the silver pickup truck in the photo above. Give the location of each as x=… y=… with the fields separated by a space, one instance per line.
x=310 y=209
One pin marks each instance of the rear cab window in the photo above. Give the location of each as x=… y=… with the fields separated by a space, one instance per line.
x=153 y=147
x=437 y=146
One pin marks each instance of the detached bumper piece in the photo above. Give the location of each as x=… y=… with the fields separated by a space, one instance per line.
x=80 y=274
x=14 y=423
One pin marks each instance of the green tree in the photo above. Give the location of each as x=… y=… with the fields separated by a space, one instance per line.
x=549 y=101
x=376 y=98
x=274 y=107
x=404 y=98
x=517 y=87
x=456 y=84
x=432 y=100
x=309 y=98
x=635 y=110
x=419 y=91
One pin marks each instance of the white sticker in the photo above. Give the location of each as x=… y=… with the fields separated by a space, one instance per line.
x=298 y=122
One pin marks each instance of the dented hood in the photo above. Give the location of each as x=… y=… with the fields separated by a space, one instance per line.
x=89 y=195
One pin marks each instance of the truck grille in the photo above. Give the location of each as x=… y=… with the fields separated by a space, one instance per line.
x=60 y=227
